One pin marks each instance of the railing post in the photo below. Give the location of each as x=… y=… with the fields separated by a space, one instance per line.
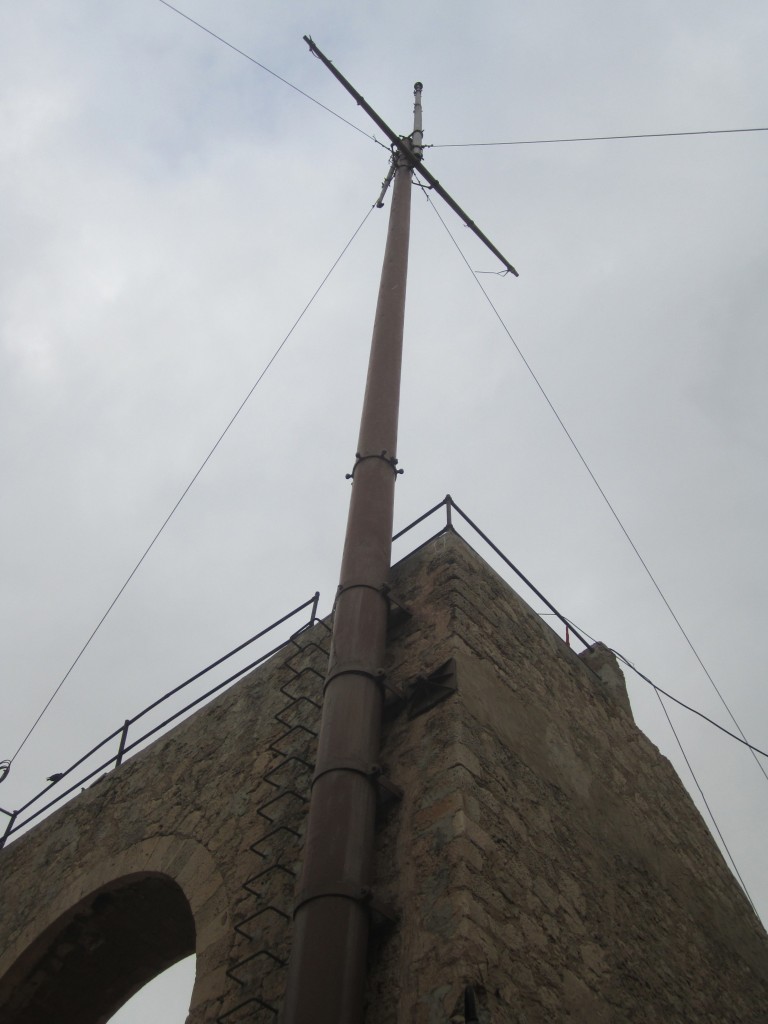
x=123 y=741
x=8 y=828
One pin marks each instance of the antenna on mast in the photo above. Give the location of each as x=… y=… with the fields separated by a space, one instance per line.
x=406 y=147
x=418 y=135
x=416 y=144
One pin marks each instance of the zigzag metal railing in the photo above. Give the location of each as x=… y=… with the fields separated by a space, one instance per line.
x=282 y=808
x=18 y=819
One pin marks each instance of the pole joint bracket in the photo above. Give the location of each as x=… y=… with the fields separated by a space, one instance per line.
x=348 y=764
x=341 y=889
x=389 y=459
x=355 y=669
x=382 y=589
x=381 y=913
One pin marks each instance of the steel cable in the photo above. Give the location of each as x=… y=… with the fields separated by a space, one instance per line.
x=186 y=490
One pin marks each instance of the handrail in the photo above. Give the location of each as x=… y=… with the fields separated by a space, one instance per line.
x=17 y=820
x=448 y=504
x=125 y=747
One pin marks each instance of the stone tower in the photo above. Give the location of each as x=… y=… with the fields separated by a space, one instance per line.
x=537 y=858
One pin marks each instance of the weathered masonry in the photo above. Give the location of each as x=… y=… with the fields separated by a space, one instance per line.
x=532 y=843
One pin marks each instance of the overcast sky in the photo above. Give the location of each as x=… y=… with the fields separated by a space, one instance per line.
x=168 y=208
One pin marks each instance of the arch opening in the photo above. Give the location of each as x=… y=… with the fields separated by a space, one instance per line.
x=93 y=958
x=165 y=998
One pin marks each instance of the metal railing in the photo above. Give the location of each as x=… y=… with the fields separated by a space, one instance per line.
x=450 y=507
x=128 y=741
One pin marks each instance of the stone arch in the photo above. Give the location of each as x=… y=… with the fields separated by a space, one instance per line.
x=86 y=964
x=112 y=927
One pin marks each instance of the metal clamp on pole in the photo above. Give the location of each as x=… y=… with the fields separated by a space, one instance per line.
x=370 y=771
x=350 y=669
x=389 y=459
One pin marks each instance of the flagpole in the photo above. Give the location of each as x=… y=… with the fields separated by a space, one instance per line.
x=331 y=920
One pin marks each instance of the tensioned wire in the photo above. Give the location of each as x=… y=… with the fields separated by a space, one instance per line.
x=706 y=802
x=753 y=750
x=301 y=92
x=451 y=145
x=595 y=481
x=615 y=515
x=530 y=142
x=269 y=71
x=187 y=489
x=660 y=694
x=591 y=138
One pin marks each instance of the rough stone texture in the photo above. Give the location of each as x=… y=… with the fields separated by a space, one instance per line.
x=543 y=851
x=210 y=815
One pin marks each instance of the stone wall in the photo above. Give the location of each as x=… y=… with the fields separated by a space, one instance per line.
x=213 y=810
x=543 y=851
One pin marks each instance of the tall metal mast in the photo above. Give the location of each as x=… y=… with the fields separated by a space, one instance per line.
x=330 y=932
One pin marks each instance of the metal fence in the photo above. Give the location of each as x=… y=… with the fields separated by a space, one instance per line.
x=133 y=732
x=129 y=735
x=451 y=507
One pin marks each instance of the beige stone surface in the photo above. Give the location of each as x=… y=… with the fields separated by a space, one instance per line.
x=543 y=851
x=214 y=808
